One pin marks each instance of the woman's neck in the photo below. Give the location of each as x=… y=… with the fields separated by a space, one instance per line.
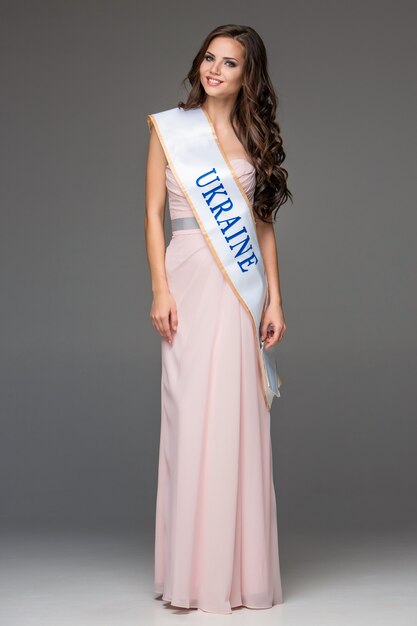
x=218 y=111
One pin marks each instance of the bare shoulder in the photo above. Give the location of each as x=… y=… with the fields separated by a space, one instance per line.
x=156 y=153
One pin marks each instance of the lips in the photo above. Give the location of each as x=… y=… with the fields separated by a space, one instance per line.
x=216 y=81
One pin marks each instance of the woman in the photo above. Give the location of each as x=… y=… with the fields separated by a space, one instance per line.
x=216 y=543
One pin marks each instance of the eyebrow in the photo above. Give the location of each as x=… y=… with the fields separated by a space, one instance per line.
x=213 y=55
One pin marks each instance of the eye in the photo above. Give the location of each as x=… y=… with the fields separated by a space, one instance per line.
x=208 y=57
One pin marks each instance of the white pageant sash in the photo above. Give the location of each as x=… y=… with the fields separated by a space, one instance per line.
x=224 y=214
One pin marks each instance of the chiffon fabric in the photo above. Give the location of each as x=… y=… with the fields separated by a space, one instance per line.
x=216 y=536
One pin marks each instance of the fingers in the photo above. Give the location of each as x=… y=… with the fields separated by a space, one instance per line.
x=282 y=333
x=264 y=330
x=174 y=319
x=166 y=329
x=274 y=335
x=268 y=333
x=162 y=326
x=165 y=324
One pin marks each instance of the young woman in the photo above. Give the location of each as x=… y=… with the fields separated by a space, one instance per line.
x=216 y=541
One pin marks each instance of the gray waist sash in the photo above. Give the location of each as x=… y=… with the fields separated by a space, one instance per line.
x=182 y=223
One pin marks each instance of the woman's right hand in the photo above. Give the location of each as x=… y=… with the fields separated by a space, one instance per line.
x=164 y=314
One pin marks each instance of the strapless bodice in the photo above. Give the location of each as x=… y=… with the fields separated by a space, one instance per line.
x=177 y=202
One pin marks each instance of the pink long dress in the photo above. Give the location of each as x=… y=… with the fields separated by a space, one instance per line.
x=216 y=537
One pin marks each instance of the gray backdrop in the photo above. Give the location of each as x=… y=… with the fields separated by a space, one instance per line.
x=80 y=360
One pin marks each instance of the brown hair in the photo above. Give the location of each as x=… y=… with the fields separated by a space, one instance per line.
x=252 y=117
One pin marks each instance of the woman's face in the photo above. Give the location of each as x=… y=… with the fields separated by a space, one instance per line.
x=223 y=61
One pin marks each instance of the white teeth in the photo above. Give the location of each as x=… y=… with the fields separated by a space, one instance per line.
x=214 y=82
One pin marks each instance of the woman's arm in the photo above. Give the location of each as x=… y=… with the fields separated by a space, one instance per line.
x=163 y=311
x=273 y=315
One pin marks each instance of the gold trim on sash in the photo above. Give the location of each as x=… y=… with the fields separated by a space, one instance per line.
x=242 y=191
x=151 y=120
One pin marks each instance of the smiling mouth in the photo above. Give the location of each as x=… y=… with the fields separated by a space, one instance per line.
x=213 y=81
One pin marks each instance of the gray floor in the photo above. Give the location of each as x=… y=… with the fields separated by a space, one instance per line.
x=89 y=579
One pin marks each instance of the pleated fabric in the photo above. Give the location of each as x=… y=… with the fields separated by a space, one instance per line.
x=216 y=536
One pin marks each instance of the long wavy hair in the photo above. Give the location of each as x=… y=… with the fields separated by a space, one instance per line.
x=252 y=117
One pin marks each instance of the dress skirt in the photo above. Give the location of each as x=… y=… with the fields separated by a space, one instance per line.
x=216 y=537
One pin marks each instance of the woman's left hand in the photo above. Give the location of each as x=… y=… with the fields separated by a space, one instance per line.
x=274 y=319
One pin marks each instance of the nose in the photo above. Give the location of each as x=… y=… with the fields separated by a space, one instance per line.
x=215 y=68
